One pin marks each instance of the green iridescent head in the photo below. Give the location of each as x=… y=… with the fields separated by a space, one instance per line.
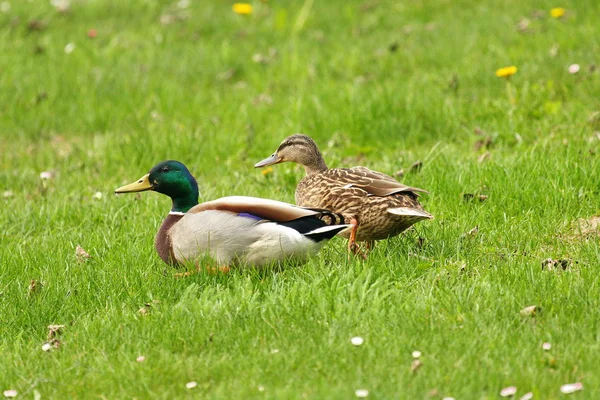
x=171 y=178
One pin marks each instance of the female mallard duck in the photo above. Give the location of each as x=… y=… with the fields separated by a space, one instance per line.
x=379 y=204
x=232 y=230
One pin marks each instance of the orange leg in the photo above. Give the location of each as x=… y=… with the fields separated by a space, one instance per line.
x=224 y=269
x=352 y=246
x=183 y=274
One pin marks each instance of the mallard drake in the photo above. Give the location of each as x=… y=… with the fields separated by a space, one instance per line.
x=376 y=205
x=232 y=230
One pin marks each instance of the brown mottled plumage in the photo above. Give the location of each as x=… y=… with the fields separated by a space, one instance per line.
x=380 y=205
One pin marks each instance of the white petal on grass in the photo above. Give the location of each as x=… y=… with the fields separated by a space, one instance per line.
x=191 y=385
x=416 y=354
x=274 y=351
x=448 y=398
x=97 y=196
x=261 y=388
x=45 y=175
x=69 y=48
x=61 y=5
x=46 y=346
x=546 y=346
x=10 y=393
x=140 y=359
x=8 y=194
x=571 y=387
x=357 y=340
x=527 y=396
x=508 y=391
x=5 y=6
x=574 y=68
x=362 y=393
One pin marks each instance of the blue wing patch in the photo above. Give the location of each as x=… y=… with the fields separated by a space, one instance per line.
x=247 y=215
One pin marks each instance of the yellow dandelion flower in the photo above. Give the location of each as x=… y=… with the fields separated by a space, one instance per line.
x=267 y=171
x=242 y=8
x=557 y=12
x=506 y=71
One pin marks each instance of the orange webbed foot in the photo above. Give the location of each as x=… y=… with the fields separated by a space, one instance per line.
x=223 y=269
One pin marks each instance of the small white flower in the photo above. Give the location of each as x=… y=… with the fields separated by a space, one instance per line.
x=5 y=6
x=274 y=351
x=362 y=393
x=448 y=398
x=69 y=48
x=527 y=396
x=140 y=359
x=574 y=68
x=45 y=175
x=357 y=340
x=46 y=346
x=97 y=196
x=191 y=385
x=416 y=354
x=261 y=388
x=61 y=5
x=10 y=393
x=183 y=4
x=546 y=346
x=508 y=391
x=571 y=387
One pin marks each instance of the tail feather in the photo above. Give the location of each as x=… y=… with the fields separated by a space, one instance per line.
x=318 y=227
x=410 y=212
x=325 y=232
x=329 y=217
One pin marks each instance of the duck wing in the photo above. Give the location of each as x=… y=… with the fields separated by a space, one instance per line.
x=267 y=209
x=373 y=182
x=271 y=210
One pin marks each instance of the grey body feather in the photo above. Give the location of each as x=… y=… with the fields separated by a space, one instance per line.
x=232 y=239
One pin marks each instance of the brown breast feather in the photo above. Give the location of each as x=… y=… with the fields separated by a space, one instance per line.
x=162 y=242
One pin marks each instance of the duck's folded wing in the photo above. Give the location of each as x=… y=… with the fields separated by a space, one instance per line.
x=373 y=182
x=267 y=209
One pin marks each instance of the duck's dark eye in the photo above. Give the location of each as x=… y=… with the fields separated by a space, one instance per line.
x=165 y=169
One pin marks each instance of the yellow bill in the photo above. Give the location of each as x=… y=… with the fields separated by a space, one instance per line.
x=139 y=186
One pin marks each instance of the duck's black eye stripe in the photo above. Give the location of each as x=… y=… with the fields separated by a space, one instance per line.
x=288 y=144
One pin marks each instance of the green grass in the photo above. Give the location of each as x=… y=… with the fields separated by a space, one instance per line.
x=372 y=83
